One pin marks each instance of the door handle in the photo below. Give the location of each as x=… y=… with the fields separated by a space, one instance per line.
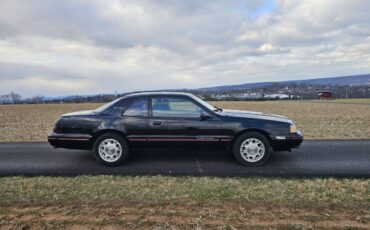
x=157 y=122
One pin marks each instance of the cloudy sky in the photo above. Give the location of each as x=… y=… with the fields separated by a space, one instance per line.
x=58 y=47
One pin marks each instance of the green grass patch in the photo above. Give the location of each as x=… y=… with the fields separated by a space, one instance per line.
x=146 y=190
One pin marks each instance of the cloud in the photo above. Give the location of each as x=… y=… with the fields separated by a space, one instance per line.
x=93 y=46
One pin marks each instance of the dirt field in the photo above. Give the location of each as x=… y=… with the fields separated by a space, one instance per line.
x=107 y=202
x=178 y=216
x=325 y=120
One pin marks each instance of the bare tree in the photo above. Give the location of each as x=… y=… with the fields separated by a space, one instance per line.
x=16 y=98
x=37 y=99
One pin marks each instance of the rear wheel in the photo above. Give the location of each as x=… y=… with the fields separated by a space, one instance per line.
x=111 y=149
x=252 y=149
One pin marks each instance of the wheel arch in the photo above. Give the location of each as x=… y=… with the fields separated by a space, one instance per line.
x=98 y=133
x=261 y=131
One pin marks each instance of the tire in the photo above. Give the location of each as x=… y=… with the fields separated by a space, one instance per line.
x=111 y=149
x=257 y=149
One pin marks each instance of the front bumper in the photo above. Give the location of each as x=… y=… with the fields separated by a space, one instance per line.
x=70 y=140
x=286 y=142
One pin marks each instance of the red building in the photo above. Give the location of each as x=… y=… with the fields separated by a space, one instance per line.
x=325 y=95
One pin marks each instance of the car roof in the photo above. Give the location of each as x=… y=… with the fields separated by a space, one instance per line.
x=158 y=93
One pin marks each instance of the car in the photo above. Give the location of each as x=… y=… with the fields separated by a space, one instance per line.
x=173 y=120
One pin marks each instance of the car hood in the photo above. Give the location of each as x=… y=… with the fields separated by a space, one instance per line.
x=254 y=115
x=79 y=113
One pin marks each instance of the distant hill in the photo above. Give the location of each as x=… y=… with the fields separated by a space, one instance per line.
x=354 y=80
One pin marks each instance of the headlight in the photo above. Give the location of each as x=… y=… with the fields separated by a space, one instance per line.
x=293 y=129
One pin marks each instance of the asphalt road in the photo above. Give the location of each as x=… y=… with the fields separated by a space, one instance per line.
x=335 y=158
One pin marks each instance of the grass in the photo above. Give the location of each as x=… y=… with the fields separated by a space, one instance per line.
x=350 y=101
x=333 y=193
x=33 y=122
x=186 y=202
x=326 y=120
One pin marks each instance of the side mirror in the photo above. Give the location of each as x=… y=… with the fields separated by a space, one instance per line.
x=204 y=116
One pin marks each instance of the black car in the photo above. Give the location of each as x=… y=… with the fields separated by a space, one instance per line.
x=168 y=120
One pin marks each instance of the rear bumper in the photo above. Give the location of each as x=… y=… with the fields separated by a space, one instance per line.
x=288 y=142
x=70 y=141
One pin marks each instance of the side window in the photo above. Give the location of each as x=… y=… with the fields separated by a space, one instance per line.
x=114 y=108
x=174 y=107
x=138 y=107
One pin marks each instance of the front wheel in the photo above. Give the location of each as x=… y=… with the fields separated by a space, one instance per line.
x=111 y=149
x=252 y=149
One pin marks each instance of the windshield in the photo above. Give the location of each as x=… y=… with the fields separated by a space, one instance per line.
x=106 y=106
x=207 y=105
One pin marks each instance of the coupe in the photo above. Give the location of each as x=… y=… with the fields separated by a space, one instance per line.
x=171 y=120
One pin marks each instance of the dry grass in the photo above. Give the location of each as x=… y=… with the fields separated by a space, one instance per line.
x=178 y=216
x=339 y=194
x=350 y=101
x=316 y=119
x=184 y=202
x=33 y=122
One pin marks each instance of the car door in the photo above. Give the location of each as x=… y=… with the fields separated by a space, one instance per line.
x=177 y=122
x=135 y=121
